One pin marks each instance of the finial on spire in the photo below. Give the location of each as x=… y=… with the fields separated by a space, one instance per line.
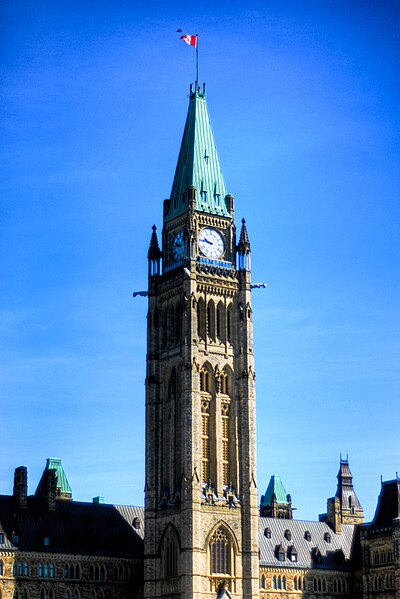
x=154 y=254
x=244 y=248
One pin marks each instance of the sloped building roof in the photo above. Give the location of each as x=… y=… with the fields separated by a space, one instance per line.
x=73 y=527
x=334 y=550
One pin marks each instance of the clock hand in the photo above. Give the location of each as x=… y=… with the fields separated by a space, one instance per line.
x=207 y=241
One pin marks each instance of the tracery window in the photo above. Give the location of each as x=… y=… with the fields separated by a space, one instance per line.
x=225 y=441
x=220 y=552
x=205 y=440
x=170 y=558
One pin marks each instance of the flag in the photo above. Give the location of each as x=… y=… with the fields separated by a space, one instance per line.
x=191 y=40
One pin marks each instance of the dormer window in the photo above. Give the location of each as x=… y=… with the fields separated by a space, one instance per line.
x=280 y=553
x=1 y=538
x=217 y=199
x=288 y=535
x=292 y=554
x=15 y=538
x=267 y=533
x=46 y=541
x=136 y=523
x=307 y=535
x=317 y=557
x=327 y=537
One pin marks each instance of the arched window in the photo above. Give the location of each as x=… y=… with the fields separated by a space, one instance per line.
x=75 y=595
x=15 y=594
x=205 y=440
x=339 y=586
x=205 y=382
x=274 y=582
x=20 y=568
x=315 y=584
x=42 y=594
x=67 y=595
x=170 y=558
x=229 y=322
x=262 y=582
x=295 y=585
x=46 y=570
x=26 y=569
x=103 y=573
x=225 y=441
x=52 y=570
x=224 y=382
x=92 y=595
x=14 y=568
x=284 y=582
x=24 y=594
x=201 y=319
x=50 y=594
x=220 y=550
x=211 y=320
x=1 y=567
x=40 y=570
x=267 y=533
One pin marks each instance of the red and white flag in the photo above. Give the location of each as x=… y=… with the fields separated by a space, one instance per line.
x=191 y=40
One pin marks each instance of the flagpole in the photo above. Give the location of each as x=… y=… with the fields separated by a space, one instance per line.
x=197 y=60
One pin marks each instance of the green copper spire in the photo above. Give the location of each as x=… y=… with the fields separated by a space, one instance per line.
x=198 y=165
x=63 y=489
x=275 y=487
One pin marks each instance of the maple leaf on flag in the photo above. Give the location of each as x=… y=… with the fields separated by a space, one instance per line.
x=191 y=40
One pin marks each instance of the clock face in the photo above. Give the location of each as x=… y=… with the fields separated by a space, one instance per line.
x=178 y=248
x=211 y=243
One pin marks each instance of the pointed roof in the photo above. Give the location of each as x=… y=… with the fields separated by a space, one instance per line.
x=198 y=165
x=154 y=249
x=244 y=242
x=345 y=490
x=62 y=485
x=275 y=487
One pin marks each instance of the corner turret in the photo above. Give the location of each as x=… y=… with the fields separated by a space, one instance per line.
x=345 y=507
x=276 y=503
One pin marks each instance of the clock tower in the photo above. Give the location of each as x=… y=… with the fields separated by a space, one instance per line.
x=201 y=516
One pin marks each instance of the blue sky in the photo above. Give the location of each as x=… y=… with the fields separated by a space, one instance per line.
x=304 y=99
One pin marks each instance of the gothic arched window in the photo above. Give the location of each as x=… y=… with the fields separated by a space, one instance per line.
x=211 y=320
x=220 y=550
x=201 y=319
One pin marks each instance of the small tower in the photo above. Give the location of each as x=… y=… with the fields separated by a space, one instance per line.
x=276 y=503
x=54 y=481
x=345 y=507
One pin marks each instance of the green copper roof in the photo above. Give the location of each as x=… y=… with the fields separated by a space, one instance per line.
x=198 y=165
x=62 y=482
x=276 y=487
